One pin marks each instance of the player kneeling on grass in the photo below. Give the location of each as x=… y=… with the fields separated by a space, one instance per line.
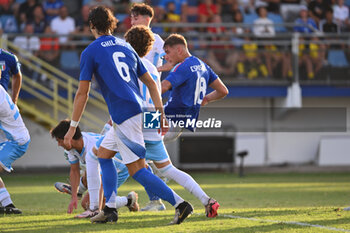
x=141 y=39
x=14 y=141
x=81 y=151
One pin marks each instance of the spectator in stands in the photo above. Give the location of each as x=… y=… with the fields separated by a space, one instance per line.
x=238 y=18
x=247 y=6
x=217 y=54
x=263 y=27
x=290 y=9
x=228 y=9
x=63 y=25
x=180 y=8
x=305 y=24
x=249 y=63
x=304 y=58
x=238 y=41
x=6 y=8
x=341 y=15
x=28 y=42
x=52 y=8
x=7 y=19
x=49 y=47
x=82 y=25
x=26 y=11
x=207 y=10
x=172 y=17
x=39 y=22
x=317 y=9
x=329 y=25
x=317 y=54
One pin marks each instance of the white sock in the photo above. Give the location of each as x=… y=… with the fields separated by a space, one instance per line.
x=5 y=198
x=93 y=181
x=82 y=187
x=186 y=181
x=121 y=201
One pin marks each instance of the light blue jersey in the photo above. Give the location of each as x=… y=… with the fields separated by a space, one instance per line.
x=89 y=139
x=116 y=67
x=14 y=136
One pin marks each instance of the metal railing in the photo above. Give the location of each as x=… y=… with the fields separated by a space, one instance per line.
x=54 y=102
x=290 y=49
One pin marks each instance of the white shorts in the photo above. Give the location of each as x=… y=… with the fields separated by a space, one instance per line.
x=127 y=139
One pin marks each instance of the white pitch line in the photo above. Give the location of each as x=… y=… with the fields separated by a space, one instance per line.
x=284 y=222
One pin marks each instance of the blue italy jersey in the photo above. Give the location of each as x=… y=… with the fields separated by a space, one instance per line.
x=9 y=66
x=189 y=81
x=116 y=67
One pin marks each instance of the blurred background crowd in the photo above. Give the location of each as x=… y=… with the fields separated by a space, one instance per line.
x=240 y=39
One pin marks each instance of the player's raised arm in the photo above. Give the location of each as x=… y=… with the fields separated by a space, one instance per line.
x=79 y=104
x=220 y=91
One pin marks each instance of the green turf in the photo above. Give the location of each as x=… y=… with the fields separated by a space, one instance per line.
x=264 y=203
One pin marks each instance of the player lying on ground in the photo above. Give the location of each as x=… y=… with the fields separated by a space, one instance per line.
x=14 y=141
x=81 y=152
x=117 y=68
x=141 y=39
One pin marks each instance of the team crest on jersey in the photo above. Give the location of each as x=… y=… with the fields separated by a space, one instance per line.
x=151 y=120
x=2 y=65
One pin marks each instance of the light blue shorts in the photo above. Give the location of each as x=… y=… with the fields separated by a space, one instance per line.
x=10 y=151
x=156 y=151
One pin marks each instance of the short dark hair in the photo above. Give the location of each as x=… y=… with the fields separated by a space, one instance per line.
x=62 y=128
x=142 y=9
x=175 y=39
x=141 y=39
x=102 y=19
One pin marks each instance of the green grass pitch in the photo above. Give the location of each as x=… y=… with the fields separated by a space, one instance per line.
x=255 y=203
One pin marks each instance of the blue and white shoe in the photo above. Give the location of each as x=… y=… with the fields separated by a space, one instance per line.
x=156 y=205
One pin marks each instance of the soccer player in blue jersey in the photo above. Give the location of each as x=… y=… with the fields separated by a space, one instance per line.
x=188 y=81
x=141 y=39
x=14 y=141
x=10 y=66
x=117 y=68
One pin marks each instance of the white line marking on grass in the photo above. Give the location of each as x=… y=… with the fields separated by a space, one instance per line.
x=284 y=222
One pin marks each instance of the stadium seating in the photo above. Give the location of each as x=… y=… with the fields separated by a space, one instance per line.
x=336 y=58
x=277 y=19
x=69 y=62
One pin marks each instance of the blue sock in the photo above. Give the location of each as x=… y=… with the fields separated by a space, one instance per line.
x=158 y=187
x=151 y=195
x=109 y=181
